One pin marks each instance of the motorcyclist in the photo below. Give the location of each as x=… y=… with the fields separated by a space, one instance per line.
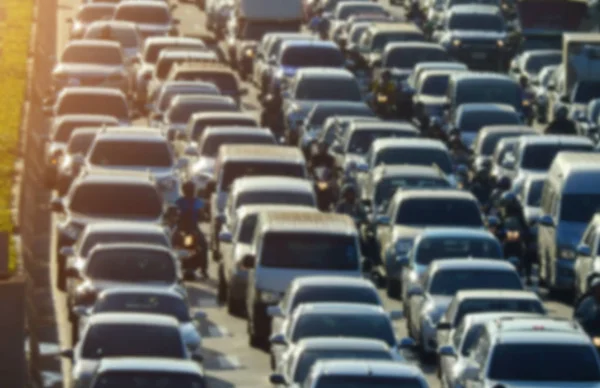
x=502 y=185
x=588 y=307
x=350 y=205
x=561 y=124
x=270 y=116
x=481 y=184
x=512 y=216
x=414 y=12
x=435 y=130
x=318 y=24
x=321 y=158
x=460 y=153
x=385 y=86
x=191 y=210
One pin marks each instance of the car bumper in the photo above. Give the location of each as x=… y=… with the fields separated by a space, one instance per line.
x=484 y=58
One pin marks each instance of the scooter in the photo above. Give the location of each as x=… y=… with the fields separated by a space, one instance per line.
x=325 y=188
x=190 y=250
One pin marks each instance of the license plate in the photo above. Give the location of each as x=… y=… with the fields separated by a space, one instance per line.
x=74 y=82
x=479 y=55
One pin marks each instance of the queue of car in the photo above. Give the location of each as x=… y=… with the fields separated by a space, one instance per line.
x=136 y=110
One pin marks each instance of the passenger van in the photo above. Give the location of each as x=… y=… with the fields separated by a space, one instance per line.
x=570 y=198
x=291 y=244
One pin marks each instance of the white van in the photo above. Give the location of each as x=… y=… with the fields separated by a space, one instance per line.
x=570 y=198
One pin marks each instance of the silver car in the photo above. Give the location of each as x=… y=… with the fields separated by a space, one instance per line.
x=153 y=18
x=125 y=33
x=89 y=13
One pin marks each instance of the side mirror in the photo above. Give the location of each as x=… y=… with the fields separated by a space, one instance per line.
x=67 y=251
x=403 y=261
x=225 y=237
x=56 y=205
x=546 y=220
x=274 y=311
x=278 y=339
x=396 y=315
x=383 y=220
x=447 y=351
x=199 y=315
x=81 y=311
x=67 y=353
x=470 y=372
x=584 y=250
x=243 y=92
x=407 y=343
x=414 y=291
x=71 y=272
x=191 y=151
x=444 y=326
x=565 y=99
x=277 y=379
x=248 y=261
x=580 y=116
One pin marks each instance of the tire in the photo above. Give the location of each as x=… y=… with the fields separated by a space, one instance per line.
x=393 y=288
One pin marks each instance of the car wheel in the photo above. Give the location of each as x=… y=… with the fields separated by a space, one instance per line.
x=393 y=288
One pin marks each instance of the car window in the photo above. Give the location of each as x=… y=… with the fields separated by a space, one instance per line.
x=144 y=15
x=439 y=212
x=344 y=325
x=234 y=170
x=90 y=14
x=135 y=201
x=416 y=156
x=131 y=154
x=93 y=239
x=127 y=37
x=246 y=229
x=450 y=282
x=93 y=54
x=332 y=90
x=93 y=104
x=471 y=306
x=360 y=141
x=326 y=293
x=275 y=197
x=144 y=303
x=131 y=266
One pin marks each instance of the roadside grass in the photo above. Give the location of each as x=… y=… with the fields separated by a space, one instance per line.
x=15 y=31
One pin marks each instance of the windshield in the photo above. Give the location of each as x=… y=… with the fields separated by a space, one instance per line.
x=309 y=358
x=435 y=85
x=93 y=104
x=349 y=10
x=540 y=157
x=456 y=248
x=331 y=90
x=345 y=325
x=544 y=362
x=474 y=121
x=143 y=15
x=181 y=113
x=407 y=58
x=132 y=340
x=80 y=143
x=63 y=133
x=93 y=55
x=211 y=145
x=386 y=188
x=334 y=294
x=167 y=97
x=472 y=306
x=534 y=196
x=312 y=57
x=256 y=31
x=491 y=140
x=310 y=251
x=337 y=381
x=479 y=22
x=144 y=303
x=488 y=91
x=535 y=63
x=131 y=266
x=450 y=282
x=201 y=124
x=550 y=42
x=579 y=207
x=153 y=51
x=361 y=141
x=416 y=156
x=586 y=91
x=381 y=40
x=93 y=239
x=131 y=154
x=234 y=170
x=148 y=380
x=275 y=198
x=91 y=14
x=226 y=82
x=98 y=200
x=127 y=37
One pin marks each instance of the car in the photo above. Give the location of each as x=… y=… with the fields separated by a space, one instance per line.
x=92 y=101
x=430 y=90
x=365 y=374
x=112 y=371
x=335 y=126
x=546 y=82
x=428 y=301
x=138 y=149
x=543 y=352
x=150 y=53
x=587 y=121
x=475 y=35
x=403 y=56
x=87 y=14
x=346 y=9
x=416 y=152
x=350 y=320
x=59 y=133
x=530 y=63
x=322 y=289
x=91 y=198
x=182 y=107
x=154 y=18
x=73 y=157
x=489 y=136
x=309 y=351
x=157 y=106
x=314 y=85
x=461 y=341
x=110 y=335
x=312 y=125
x=88 y=62
x=530 y=197
x=224 y=78
x=239 y=160
x=353 y=145
x=586 y=260
x=341 y=32
x=199 y=122
x=148 y=300
x=503 y=158
x=236 y=243
x=426 y=66
x=294 y=244
x=470 y=118
x=125 y=33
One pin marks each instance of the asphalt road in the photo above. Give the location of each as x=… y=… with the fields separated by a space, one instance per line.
x=229 y=361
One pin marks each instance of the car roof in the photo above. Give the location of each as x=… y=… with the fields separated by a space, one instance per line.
x=538 y=330
x=209 y=67
x=93 y=43
x=384 y=125
x=137 y=134
x=407 y=170
x=140 y=290
x=456 y=231
x=506 y=128
x=84 y=131
x=118 y=246
x=306 y=222
x=96 y=5
x=223 y=115
x=308 y=43
x=441 y=72
x=103 y=176
x=334 y=104
x=113 y=24
x=179 y=52
x=324 y=72
x=483 y=317
x=393 y=27
x=420 y=143
x=261 y=152
x=237 y=130
x=554 y=140
x=144 y=3
x=443 y=193
x=495 y=294
x=149 y=364
x=330 y=281
x=339 y=308
x=142 y=319
x=481 y=76
x=466 y=264
x=160 y=40
x=337 y=343
x=484 y=107
x=540 y=52
x=171 y=84
x=63 y=119
x=366 y=368
x=409 y=45
x=272 y=183
x=475 y=9
x=96 y=91
x=201 y=98
x=124 y=227
x=245 y=210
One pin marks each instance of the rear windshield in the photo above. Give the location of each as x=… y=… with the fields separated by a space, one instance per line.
x=226 y=82
x=474 y=121
x=534 y=197
x=257 y=30
x=64 y=131
x=386 y=188
x=143 y=15
x=312 y=56
x=135 y=201
x=417 y=156
x=93 y=55
x=334 y=294
x=148 y=380
x=181 y=113
x=144 y=303
x=352 y=381
x=491 y=140
x=310 y=357
x=450 y=282
x=579 y=207
x=488 y=91
x=540 y=157
x=272 y=197
x=152 y=52
x=381 y=40
x=435 y=85
x=310 y=251
x=201 y=124
x=498 y=305
x=345 y=325
x=455 y=247
x=361 y=141
x=407 y=58
x=93 y=104
x=211 y=145
x=331 y=90
x=234 y=170
x=131 y=154
x=349 y=10
x=131 y=266
x=167 y=97
x=127 y=37
x=127 y=340
x=477 y=22
x=535 y=63
x=544 y=363
x=439 y=212
x=165 y=64
x=586 y=91
x=318 y=116
x=94 y=239
x=91 y=14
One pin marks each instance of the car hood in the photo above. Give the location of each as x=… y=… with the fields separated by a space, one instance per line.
x=569 y=233
x=84 y=371
x=479 y=35
x=558 y=15
x=85 y=69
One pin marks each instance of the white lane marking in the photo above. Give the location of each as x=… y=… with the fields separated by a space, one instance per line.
x=228 y=362
x=218 y=331
x=50 y=378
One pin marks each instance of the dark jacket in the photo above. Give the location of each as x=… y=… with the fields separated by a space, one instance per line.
x=561 y=127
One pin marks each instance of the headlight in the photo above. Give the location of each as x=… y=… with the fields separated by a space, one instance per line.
x=500 y=43
x=596 y=341
x=456 y=42
x=168 y=183
x=403 y=246
x=249 y=53
x=188 y=241
x=269 y=297
x=71 y=232
x=526 y=102
x=566 y=253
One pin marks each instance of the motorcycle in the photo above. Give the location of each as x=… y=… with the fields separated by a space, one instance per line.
x=528 y=111
x=190 y=251
x=383 y=106
x=325 y=188
x=512 y=244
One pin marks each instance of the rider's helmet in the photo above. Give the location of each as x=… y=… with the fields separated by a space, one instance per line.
x=455 y=140
x=509 y=201
x=523 y=81
x=503 y=183
x=560 y=111
x=188 y=188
